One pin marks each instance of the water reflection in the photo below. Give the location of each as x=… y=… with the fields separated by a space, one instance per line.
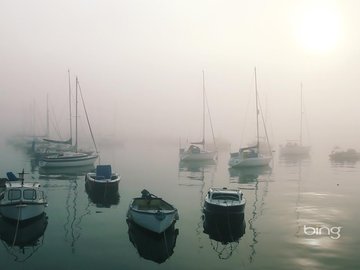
x=195 y=166
x=72 y=225
x=224 y=232
x=194 y=171
x=198 y=174
x=248 y=174
x=23 y=240
x=252 y=179
x=64 y=173
x=102 y=197
x=153 y=246
x=293 y=160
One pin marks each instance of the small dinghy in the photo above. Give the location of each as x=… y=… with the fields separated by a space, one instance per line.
x=21 y=201
x=152 y=212
x=224 y=201
x=102 y=178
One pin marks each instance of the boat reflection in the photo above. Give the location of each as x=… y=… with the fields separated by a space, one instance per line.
x=195 y=171
x=102 y=197
x=195 y=166
x=153 y=246
x=293 y=160
x=224 y=232
x=248 y=174
x=23 y=240
x=64 y=173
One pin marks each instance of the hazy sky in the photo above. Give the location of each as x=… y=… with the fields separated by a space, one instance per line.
x=140 y=65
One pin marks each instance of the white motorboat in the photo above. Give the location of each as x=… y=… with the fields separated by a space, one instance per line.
x=251 y=156
x=103 y=178
x=152 y=213
x=224 y=201
x=199 y=153
x=22 y=201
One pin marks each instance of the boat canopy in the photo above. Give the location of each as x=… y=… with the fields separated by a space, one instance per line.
x=194 y=149
x=251 y=148
x=201 y=142
x=103 y=172
x=11 y=176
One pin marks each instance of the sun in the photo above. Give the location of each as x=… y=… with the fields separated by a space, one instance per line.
x=318 y=29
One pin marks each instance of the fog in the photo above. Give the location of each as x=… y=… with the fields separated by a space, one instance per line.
x=140 y=66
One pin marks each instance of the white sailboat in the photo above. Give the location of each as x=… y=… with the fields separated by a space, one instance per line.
x=197 y=150
x=71 y=158
x=296 y=147
x=250 y=156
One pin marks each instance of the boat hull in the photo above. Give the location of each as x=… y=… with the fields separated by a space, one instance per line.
x=22 y=211
x=102 y=184
x=68 y=162
x=238 y=162
x=214 y=208
x=155 y=221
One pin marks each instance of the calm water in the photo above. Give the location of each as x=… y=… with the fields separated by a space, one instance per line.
x=86 y=231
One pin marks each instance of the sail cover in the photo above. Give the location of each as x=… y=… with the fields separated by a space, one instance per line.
x=69 y=141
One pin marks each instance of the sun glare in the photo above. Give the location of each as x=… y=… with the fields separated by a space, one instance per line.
x=319 y=30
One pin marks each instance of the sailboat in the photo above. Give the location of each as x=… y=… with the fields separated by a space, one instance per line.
x=296 y=148
x=197 y=150
x=250 y=156
x=71 y=158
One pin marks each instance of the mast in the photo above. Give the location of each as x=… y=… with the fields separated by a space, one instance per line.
x=70 y=107
x=257 y=111
x=76 y=116
x=203 y=131
x=301 y=114
x=47 y=115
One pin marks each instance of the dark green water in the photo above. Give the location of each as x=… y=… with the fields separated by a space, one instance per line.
x=81 y=231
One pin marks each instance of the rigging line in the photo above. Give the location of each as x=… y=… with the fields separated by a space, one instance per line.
x=56 y=124
x=265 y=130
x=211 y=125
x=87 y=117
x=245 y=119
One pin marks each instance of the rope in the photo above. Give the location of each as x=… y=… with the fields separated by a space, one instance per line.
x=17 y=227
x=87 y=118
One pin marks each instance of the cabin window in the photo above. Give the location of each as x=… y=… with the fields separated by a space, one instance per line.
x=14 y=194
x=29 y=194
x=41 y=195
